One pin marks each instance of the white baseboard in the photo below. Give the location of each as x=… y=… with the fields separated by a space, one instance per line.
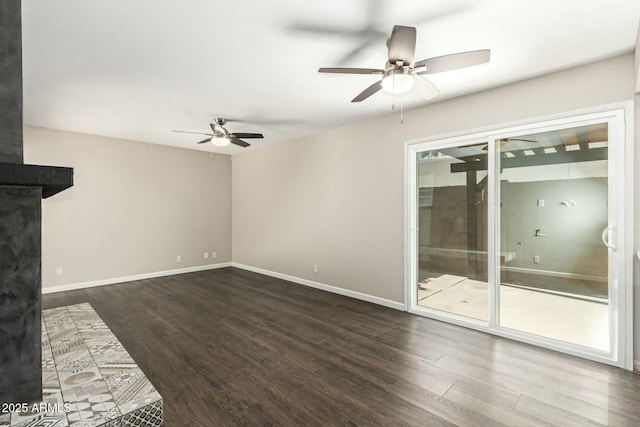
x=560 y=274
x=298 y=280
x=636 y=366
x=114 y=280
x=324 y=287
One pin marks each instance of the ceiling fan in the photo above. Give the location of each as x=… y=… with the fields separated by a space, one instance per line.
x=222 y=137
x=401 y=74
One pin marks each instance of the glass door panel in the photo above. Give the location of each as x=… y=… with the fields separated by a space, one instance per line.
x=553 y=210
x=451 y=219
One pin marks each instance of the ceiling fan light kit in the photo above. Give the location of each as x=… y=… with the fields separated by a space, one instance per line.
x=220 y=141
x=398 y=81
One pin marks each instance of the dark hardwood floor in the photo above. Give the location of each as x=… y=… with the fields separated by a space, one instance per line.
x=231 y=347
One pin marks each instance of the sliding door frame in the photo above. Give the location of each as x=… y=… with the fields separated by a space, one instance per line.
x=620 y=119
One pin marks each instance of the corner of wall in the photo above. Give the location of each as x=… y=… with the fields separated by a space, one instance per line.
x=636 y=237
x=637 y=55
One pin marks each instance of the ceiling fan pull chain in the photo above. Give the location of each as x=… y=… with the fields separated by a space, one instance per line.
x=393 y=96
x=401 y=113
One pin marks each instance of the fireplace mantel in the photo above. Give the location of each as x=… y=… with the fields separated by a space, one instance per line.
x=52 y=179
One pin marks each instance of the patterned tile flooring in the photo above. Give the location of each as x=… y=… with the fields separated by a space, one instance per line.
x=88 y=378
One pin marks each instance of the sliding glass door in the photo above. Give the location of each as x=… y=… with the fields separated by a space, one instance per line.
x=520 y=232
x=452 y=231
x=554 y=208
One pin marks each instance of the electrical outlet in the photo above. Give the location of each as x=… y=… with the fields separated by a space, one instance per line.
x=179 y=258
x=59 y=271
x=206 y=255
x=541 y=203
x=536 y=259
x=315 y=268
x=214 y=254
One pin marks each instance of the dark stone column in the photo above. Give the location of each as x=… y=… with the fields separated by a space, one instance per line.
x=20 y=295
x=10 y=82
x=21 y=189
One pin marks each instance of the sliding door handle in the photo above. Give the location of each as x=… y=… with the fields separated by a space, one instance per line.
x=605 y=237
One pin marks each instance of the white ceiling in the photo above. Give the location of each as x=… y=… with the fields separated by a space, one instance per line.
x=138 y=69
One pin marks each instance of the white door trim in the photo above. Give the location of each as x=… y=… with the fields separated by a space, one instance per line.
x=621 y=169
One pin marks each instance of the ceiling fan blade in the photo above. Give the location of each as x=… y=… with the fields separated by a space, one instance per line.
x=239 y=142
x=402 y=44
x=357 y=51
x=424 y=88
x=186 y=131
x=441 y=15
x=454 y=61
x=204 y=140
x=260 y=120
x=323 y=30
x=246 y=135
x=363 y=37
x=366 y=36
x=368 y=92
x=351 y=70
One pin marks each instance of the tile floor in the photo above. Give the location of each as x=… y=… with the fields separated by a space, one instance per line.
x=567 y=319
x=88 y=378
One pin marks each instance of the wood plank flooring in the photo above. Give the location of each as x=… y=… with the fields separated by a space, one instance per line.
x=231 y=347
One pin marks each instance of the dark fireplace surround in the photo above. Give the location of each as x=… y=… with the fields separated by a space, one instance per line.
x=21 y=189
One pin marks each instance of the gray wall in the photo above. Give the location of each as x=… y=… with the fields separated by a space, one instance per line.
x=573 y=234
x=134 y=207
x=445 y=225
x=636 y=260
x=571 y=245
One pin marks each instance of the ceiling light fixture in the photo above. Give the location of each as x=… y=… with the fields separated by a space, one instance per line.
x=221 y=141
x=398 y=81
